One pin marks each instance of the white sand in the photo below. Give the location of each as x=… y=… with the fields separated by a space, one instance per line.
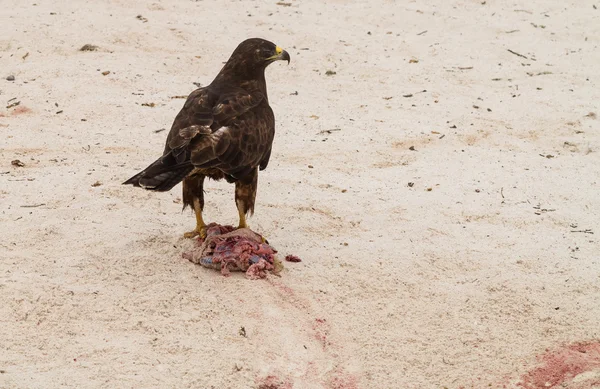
x=460 y=286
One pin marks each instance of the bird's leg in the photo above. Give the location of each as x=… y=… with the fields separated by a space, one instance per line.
x=245 y=194
x=242 y=213
x=193 y=195
x=200 y=225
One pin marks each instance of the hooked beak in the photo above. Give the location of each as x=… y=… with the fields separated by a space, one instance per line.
x=280 y=55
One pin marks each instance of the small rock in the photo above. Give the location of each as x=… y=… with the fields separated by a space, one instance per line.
x=292 y=258
x=97 y=183
x=106 y=72
x=10 y=78
x=88 y=47
x=412 y=148
x=17 y=163
x=330 y=73
x=411 y=184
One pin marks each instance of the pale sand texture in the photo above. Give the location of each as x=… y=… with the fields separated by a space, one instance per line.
x=460 y=286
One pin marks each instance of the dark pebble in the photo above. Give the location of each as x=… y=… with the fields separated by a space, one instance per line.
x=10 y=78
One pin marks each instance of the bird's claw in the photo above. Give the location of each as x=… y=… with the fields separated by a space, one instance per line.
x=201 y=232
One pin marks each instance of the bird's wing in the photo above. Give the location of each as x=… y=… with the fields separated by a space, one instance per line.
x=238 y=147
x=234 y=103
x=205 y=111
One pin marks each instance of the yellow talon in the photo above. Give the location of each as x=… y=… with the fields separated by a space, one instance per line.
x=200 y=225
x=198 y=231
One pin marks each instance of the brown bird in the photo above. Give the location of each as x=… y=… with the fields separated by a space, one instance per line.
x=224 y=130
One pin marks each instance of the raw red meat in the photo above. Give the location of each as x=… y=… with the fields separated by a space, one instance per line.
x=228 y=249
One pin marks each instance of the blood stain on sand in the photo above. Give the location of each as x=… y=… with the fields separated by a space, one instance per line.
x=321 y=332
x=20 y=110
x=576 y=366
x=342 y=380
x=274 y=382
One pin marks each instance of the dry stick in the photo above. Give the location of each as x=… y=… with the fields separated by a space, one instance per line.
x=515 y=53
x=33 y=205
x=587 y=231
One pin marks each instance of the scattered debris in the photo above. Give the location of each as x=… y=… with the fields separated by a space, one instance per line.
x=143 y=19
x=106 y=72
x=159 y=130
x=97 y=183
x=242 y=332
x=429 y=189
x=408 y=95
x=330 y=73
x=292 y=258
x=465 y=67
x=88 y=47
x=25 y=56
x=10 y=78
x=388 y=98
x=294 y=93
x=151 y=105
x=59 y=112
x=12 y=105
x=197 y=84
x=540 y=210
x=422 y=32
x=586 y=231
x=413 y=60
x=284 y=4
x=310 y=166
x=411 y=184
x=179 y=97
x=32 y=205
x=17 y=163
x=328 y=131
x=517 y=54
x=412 y=148
x=549 y=156
x=538 y=74
x=591 y=115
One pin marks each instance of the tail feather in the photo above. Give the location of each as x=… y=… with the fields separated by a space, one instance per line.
x=160 y=177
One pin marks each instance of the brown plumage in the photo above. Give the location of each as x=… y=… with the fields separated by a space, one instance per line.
x=224 y=130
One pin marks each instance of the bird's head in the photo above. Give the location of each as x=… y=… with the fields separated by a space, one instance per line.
x=254 y=55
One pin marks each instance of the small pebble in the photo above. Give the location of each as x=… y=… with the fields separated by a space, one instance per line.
x=10 y=78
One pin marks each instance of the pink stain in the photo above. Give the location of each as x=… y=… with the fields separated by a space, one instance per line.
x=321 y=332
x=274 y=382
x=559 y=367
x=342 y=380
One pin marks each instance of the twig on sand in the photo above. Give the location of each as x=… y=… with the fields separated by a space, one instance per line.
x=586 y=231
x=517 y=54
x=32 y=205
x=328 y=131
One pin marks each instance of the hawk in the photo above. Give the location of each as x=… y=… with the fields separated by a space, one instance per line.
x=224 y=130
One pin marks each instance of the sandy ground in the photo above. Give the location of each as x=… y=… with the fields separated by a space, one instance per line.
x=456 y=264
